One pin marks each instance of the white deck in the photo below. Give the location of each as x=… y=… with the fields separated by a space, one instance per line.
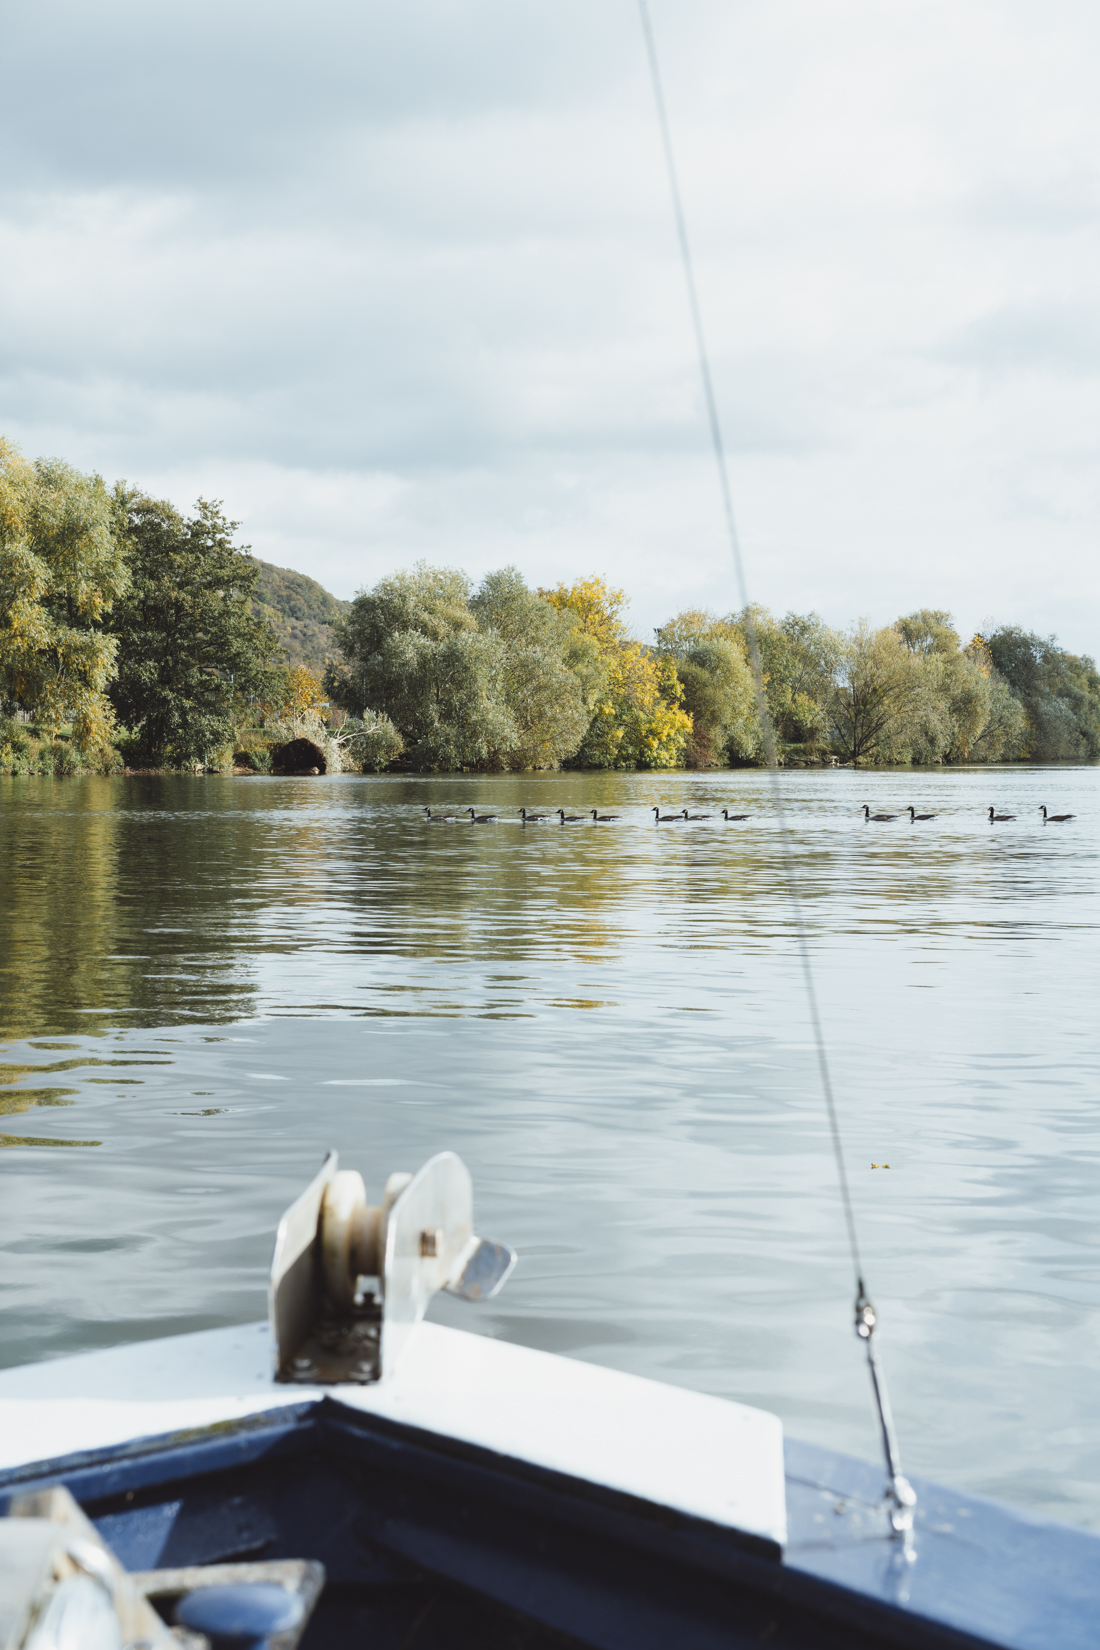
x=699 y=1455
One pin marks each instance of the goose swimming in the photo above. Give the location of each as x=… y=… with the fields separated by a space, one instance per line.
x=914 y=815
x=1002 y=817
x=1056 y=819
x=867 y=814
x=481 y=819
x=605 y=819
x=731 y=819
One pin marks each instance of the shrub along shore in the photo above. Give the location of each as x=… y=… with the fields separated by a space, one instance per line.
x=132 y=638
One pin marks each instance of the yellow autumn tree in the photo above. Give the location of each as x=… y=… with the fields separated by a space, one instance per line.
x=638 y=719
x=303 y=696
x=62 y=566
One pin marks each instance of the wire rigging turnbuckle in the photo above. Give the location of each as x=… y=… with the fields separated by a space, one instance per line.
x=900 y=1495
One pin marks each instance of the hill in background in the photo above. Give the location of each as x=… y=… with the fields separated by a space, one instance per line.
x=300 y=611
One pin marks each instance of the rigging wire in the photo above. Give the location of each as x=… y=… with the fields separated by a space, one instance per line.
x=899 y=1491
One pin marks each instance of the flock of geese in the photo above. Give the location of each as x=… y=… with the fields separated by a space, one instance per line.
x=994 y=817
x=679 y=818
x=574 y=819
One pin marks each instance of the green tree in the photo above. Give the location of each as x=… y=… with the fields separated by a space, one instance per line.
x=369 y=741
x=433 y=602
x=678 y=635
x=965 y=712
x=61 y=568
x=879 y=691
x=551 y=670
x=1060 y=693
x=1005 y=734
x=799 y=659
x=492 y=679
x=190 y=649
x=444 y=697
x=954 y=704
x=929 y=632
x=719 y=695
x=413 y=653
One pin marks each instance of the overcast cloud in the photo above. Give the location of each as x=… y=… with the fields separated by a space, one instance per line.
x=400 y=280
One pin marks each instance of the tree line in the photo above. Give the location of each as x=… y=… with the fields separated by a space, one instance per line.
x=130 y=635
x=502 y=676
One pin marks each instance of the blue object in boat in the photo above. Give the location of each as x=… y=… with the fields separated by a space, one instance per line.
x=240 y=1617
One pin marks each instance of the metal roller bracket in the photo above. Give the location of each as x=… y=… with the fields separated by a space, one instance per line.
x=428 y=1244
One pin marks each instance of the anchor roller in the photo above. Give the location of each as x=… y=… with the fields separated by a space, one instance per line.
x=350 y=1280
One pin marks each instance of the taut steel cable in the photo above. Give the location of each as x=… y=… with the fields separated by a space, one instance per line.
x=899 y=1491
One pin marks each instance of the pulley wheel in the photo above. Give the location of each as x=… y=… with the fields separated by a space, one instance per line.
x=343 y=1212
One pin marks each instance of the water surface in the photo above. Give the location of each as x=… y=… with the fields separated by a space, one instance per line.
x=206 y=982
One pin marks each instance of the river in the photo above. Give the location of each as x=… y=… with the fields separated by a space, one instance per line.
x=205 y=982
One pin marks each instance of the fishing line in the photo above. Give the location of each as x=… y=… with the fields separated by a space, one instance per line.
x=900 y=1492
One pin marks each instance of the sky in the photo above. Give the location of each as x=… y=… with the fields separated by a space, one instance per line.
x=401 y=281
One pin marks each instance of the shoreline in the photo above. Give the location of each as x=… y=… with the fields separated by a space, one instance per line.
x=1018 y=764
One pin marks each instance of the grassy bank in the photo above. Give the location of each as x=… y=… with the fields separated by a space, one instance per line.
x=28 y=748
